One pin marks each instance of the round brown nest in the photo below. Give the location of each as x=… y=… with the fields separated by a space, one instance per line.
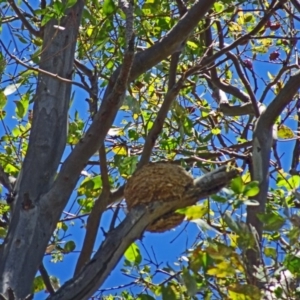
x=158 y=182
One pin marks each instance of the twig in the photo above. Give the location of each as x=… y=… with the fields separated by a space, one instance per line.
x=46 y=279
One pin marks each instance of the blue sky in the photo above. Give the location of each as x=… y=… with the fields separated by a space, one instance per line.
x=169 y=246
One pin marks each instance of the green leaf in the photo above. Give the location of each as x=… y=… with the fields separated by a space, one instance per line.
x=218 y=6
x=292 y=263
x=69 y=246
x=192 y=45
x=294 y=181
x=133 y=254
x=244 y=292
x=216 y=131
x=38 y=284
x=231 y=223
x=285 y=132
x=272 y=221
x=20 y=110
x=190 y=282
x=120 y=150
x=222 y=270
x=3 y=232
x=3 y=100
x=193 y=212
x=251 y=189
x=108 y=7
x=237 y=185
x=70 y=3
x=270 y=252
x=169 y=292
x=248 y=17
x=55 y=282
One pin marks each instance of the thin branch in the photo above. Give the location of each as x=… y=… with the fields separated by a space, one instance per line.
x=245 y=82
x=296 y=4
x=159 y=122
x=46 y=279
x=228 y=88
x=39 y=70
x=210 y=59
x=102 y=202
x=23 y=19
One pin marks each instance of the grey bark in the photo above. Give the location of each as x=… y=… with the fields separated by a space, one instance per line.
x=31 y=226
x=262 y=143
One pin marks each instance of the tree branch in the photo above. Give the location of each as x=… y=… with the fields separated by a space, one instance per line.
x=95 y=135
x=94 y=218
x=262 y=143
x=137 y=220
x=23 y=19
x=159 y=122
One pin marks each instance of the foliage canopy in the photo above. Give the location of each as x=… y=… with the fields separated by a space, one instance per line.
x=90 y=91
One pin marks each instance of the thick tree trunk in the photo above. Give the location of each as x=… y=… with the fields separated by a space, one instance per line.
x=32 y=224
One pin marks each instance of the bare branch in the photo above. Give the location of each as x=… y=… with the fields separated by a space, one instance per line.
x=94 y=218
x=46 y=279
x=23 y=19
x=39 y=70
x=296 y=4
x=159 y=122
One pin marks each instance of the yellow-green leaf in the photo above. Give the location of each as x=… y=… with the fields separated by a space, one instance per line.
x=120 y=150
x=222 y=270
x=244 y=292
x=285 y=132
x=216 y=131
x=133 y=254
x=193 y=212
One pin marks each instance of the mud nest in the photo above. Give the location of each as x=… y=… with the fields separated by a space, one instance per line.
x=158 y=182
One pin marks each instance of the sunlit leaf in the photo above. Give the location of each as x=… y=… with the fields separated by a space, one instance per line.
x=294 y=181
x=244 y=292
x=270 y=252
x=193 y=212
x=251 y=202
x=3 y=100
x=222 y=270
x=251 y=189
x=10 y=89
x=237 y=185
x=20 y=111
x=218 y=6
x=133 y=254
x=108 y=7
x=284 y=132
x=216 y=131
